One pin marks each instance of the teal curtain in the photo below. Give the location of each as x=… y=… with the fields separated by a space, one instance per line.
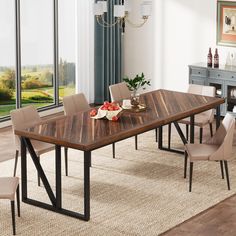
x=107 y=55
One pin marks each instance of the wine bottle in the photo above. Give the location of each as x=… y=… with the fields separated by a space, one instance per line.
x=209 y=58
x=216 y=59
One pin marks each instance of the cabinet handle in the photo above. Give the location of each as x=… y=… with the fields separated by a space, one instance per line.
x=199 y=72
x=218 y=75
x=232 y=76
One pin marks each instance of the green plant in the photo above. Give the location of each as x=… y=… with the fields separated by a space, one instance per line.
x=32 y=83
x=5 y=94
x=137 y=82
x=40 y=98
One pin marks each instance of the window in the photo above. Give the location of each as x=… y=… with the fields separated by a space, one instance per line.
x=37 y=53
x=47 y=53
x=7 y=58
x=67 y=46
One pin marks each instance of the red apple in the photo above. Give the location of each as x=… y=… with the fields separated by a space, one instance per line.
x=115 y=118
x=93 y=112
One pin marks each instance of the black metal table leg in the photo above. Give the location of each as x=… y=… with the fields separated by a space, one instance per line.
x=114 y=150
x=169 y=135
x=169 y=149
x=156 y=134
x=180 y=132
x=192 y=129
x=56 y=200
x=160 y=139
x=87 y=161
x=40 y=171
x=217 y=117
x=23 y=170
x=58 y=176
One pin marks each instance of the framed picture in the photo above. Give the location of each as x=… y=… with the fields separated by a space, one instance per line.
x=226 y=23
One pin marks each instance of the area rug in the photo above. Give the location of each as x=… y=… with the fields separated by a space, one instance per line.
x=141 y=192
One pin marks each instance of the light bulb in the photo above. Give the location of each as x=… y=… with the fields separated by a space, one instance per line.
x=119 y=11
x=145 y=9
x=97 y=9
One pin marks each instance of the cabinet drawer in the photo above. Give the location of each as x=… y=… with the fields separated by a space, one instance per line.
x=198 y=72
x=197 y=80
x=215 y=74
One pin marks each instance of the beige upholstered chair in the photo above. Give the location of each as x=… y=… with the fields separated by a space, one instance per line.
x=73 y=104
x=23 y=118
x=9 y=186
x=202 y=119
x=119 y=92
x=218 y=148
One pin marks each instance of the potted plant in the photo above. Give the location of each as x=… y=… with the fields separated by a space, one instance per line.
x=138 y=82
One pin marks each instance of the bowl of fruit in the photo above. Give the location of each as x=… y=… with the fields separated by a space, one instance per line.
x=109 y=110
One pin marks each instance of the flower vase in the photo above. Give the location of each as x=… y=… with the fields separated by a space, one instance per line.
x=135 y=99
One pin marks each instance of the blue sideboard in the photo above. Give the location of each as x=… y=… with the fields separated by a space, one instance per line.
x=222 y=78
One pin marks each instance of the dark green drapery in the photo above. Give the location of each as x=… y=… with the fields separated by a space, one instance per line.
x=107 y=55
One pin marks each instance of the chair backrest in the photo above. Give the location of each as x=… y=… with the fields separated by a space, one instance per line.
x=202 y=90
x=205 y=91
x=224 y=136
x=119 y=91
x=229 y=125
x=75 y=103
x=23 y=118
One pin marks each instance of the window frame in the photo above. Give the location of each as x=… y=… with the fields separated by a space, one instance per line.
x=18 y=65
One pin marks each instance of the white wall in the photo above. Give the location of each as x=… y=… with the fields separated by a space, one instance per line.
x=138 y=45
x=85 y=49
x=179 y=33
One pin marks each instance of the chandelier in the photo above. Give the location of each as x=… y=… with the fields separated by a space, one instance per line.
x=121 y=13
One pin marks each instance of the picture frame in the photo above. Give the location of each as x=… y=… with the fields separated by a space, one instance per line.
x=226 y=23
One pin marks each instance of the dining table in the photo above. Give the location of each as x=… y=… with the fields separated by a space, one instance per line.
x=81 y=132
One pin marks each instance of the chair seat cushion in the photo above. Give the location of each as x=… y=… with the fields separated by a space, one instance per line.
x=200 y=152
x=199 y=120
x=8 y=186
x=41 y=147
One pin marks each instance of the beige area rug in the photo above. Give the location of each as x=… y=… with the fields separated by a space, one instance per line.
x=139 y=193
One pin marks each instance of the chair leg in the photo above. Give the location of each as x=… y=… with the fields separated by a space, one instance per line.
x=185 y=164
x=156 y=132
x=66 y=160
x=113 y=150
x=16 y=161
x=136 y=142
x=187 y=131
x=18 y=200
x=190 y=176
x=222 y=169
x=201 y=133
x=211 y=129
x=227 y=173
x=38 y=174
x=13 y=217
x=169 y=135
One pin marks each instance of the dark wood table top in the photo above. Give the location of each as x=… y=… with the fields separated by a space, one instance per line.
x=81 y=132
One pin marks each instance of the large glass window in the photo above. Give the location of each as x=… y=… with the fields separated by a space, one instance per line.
x=28 y=45
x=7 y=57
x=67 y=46
x=37 y=53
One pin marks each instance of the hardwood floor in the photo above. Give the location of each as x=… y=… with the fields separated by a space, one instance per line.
x=220 y=220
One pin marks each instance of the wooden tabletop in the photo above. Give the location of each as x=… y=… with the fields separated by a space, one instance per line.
x=81 y=132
